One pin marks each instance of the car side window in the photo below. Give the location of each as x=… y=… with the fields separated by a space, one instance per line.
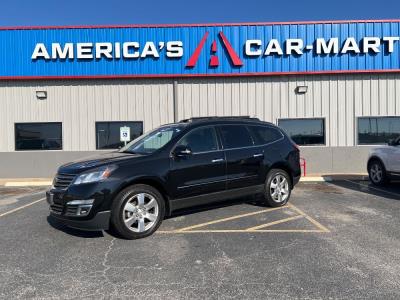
x=264 y=134
x=235 y=136
x=202 y=139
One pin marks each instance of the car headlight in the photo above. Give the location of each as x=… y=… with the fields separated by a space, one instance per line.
x=94 y=176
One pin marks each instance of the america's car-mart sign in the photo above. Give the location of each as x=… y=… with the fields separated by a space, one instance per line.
x=200 y=50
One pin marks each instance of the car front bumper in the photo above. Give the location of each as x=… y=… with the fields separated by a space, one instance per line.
x=101 y=221
x=83 y=207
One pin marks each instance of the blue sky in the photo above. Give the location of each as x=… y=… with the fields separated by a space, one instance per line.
x=94 y=12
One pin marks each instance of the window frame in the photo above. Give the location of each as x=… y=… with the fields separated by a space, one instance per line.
x=96 y=137
x=219 y=142
x=33 y=123
x=323 y=119
x=369 y=117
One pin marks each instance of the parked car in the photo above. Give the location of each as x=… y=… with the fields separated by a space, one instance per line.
x=192 y=162
x=384 y=163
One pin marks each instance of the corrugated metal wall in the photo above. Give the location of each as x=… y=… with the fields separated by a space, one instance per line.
x=337 y=98
x=78 y=104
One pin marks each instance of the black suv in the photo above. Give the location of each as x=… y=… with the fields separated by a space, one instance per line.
x=196 y=161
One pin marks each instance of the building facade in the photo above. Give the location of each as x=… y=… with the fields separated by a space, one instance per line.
x=66 y=92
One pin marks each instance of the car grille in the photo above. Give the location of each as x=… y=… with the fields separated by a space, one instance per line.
x=62 y=181
x=57 y=208
x=67 y=210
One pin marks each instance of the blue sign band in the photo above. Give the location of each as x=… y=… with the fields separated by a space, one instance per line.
x=200 y=50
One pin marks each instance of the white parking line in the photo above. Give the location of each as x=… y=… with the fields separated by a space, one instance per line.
x=374 y=188
x=21 y=207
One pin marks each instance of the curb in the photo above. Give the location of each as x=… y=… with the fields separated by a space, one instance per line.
x=27 y=183
x=335 y=177
x=23 y=182
x=316 y=179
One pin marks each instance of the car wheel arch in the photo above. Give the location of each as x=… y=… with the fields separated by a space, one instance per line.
x=150 y=181
x=283 y=166
x=375 y=158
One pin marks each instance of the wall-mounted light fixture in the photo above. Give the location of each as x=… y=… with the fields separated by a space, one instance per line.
x=301 y=89
x=41 y=95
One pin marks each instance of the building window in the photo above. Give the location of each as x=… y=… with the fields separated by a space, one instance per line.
x=38 y=136
x=305 y=132
x=377 y=130
x=108 y=133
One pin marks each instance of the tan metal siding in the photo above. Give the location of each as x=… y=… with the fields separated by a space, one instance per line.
x=340 y=99
x=349 y=121
x=79 y=104
x=391 y=93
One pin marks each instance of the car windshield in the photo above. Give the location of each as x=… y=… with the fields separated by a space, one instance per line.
x=152 y=141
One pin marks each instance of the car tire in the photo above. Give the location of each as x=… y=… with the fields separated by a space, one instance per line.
x=377 y=173
x=277 y=188
x=137 y=212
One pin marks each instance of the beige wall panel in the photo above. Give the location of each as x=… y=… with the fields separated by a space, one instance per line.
x=79 y=104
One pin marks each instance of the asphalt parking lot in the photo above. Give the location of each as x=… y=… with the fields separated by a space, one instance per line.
x=335 y=240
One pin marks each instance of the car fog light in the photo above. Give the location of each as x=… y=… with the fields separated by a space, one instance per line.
x=83 y=210
x=79 y=208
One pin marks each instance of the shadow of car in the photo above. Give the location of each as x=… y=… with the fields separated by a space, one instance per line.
x=391 y=191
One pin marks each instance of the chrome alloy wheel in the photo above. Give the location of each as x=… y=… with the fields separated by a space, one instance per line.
x=279 y=188
x=376 y=172
x=140 y=212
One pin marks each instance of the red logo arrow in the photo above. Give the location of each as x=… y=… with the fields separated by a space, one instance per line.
x=214 y=61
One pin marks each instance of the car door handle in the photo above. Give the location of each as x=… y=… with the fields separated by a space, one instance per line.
x=258 y=155
x=217 y=160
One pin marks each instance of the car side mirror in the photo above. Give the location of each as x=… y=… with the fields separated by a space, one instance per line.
x=182 y=151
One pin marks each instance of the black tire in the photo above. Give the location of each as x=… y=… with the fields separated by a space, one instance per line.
x=118 y=213
x=377 y=173
x=270 y=199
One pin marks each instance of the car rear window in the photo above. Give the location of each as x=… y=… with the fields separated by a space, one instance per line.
x=264 y=134
x=235 y=136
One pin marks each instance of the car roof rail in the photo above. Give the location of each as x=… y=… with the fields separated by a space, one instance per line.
x=196 y=119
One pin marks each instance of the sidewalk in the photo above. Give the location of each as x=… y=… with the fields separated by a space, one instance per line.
x=18 y=182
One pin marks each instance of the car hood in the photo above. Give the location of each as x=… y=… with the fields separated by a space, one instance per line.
x=90 y=162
